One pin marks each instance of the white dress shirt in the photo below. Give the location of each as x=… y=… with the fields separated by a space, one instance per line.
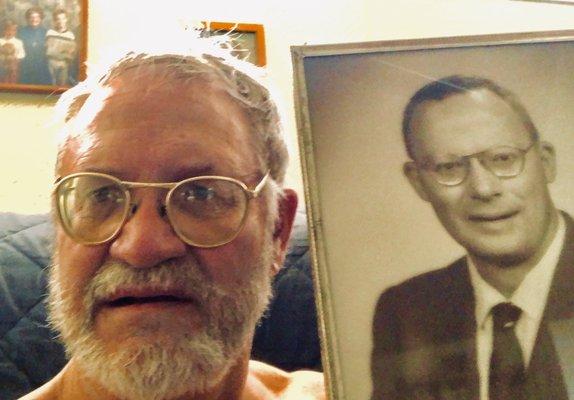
x=530 y=296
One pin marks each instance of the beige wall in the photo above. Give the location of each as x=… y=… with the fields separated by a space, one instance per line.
x=28 y=152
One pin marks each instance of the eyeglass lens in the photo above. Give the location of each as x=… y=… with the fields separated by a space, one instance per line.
x=203 y=212
x=504 y=161
x=207 y=211
x=91 y=207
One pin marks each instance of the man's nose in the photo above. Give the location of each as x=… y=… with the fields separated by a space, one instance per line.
x=483 y=184
x=147 y=238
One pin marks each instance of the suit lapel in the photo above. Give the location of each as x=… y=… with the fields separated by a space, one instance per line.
x=560 y=304
x=561 y=336
x=552 y=364
x=457 y=349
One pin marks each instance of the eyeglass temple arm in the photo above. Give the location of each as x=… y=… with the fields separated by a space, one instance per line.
x=255 y=192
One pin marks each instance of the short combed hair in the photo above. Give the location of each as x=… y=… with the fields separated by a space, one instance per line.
x=7 y=23
x=457 y=84
x=208 y=58
x=34 y=10
x=59 y=11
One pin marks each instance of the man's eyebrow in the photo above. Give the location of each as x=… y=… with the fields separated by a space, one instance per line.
x=191 y=171
x=450 y=156
x=174 y=175
x=106 y=171
x=179 y=173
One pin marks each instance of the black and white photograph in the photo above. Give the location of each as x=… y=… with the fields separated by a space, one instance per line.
x=439 y=188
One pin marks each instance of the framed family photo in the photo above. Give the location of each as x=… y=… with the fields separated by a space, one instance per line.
x=42 y=44
x=387 y=220
x=248 y=39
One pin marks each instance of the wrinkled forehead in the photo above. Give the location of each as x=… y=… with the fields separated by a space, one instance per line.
x=150 y=89
x=157 y=94
x=465 y=109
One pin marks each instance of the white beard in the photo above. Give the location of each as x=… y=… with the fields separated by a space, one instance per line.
x=182 y=363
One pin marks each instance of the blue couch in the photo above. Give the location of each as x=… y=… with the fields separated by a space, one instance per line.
x=30 y=355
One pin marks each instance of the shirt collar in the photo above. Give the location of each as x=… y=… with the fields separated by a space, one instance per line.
x=531 y=295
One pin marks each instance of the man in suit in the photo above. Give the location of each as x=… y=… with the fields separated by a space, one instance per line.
x=494 y=324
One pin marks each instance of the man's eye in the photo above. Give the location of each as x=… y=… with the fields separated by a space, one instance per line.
x=447 y=166
x=206 y=201
x=198 y=193
x=105 y=194
x=503 y=157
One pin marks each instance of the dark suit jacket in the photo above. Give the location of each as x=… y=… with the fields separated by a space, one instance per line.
x=424 y=337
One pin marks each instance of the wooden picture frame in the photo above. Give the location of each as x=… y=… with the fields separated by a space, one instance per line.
x=369 y=230
x=45 y=49
x=249 y=39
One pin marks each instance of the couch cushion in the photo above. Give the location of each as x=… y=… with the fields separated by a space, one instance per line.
x=29 y=353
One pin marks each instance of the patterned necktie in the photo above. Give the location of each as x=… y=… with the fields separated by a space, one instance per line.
x=507 y=375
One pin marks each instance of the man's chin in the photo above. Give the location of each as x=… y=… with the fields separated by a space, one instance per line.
x=152 y=323
x=129 y=346
x=501 y=257
x=148 y=368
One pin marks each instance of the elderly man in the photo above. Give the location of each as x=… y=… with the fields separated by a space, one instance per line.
x=495 y=324
x=172 y=221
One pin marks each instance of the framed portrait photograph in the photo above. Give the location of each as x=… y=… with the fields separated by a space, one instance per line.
x=248 y=39
x=42 y=44
x=439 y=186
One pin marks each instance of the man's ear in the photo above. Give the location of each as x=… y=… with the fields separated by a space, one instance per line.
x=283 y=225
x=412 y=173
x=548 y=158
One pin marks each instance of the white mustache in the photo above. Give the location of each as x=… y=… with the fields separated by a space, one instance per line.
x=184 y=278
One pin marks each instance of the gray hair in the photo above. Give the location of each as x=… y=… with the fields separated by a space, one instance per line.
x=210 y=58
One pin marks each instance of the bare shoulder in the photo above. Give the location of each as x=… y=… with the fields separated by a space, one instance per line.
x=306 y=385
x=268 y=382
x=46 y=392
x=49 y=391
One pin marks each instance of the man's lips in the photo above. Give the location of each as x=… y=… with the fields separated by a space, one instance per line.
x=125 y=298
x=492 y=217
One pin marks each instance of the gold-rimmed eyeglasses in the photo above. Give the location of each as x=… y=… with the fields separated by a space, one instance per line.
x=502 y=161
x=204 y=211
